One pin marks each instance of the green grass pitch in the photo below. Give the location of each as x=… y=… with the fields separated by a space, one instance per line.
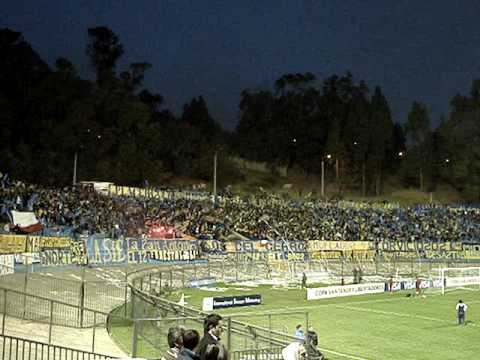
x=381 y=326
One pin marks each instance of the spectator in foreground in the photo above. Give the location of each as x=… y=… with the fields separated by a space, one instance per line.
x=212 y=326
x=175 y=343
x=215 y=352
x=191 y=339
x=311 y=343
x=294 y=351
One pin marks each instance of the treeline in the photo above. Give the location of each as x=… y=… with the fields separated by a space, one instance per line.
x=121 y=131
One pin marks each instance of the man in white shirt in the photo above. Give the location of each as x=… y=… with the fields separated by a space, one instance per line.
x=461 y=312
x=294 y=351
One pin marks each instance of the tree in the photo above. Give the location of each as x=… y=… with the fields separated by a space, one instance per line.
x=104 y=50
x=380 y=135
x=417 y=129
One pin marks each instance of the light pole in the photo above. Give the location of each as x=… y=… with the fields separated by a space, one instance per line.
x=215 y=179
x=328 y=156
x=75 y=158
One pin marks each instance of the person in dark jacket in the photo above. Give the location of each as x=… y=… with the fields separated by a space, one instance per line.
x=215 y=352
x=190 y=342
x=212 y=326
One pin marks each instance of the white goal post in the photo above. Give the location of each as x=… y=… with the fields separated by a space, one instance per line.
x=459 y=277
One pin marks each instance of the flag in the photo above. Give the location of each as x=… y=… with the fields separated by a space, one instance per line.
x=26 y=222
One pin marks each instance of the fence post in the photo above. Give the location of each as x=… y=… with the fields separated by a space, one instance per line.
x=269 y=326
x=183 y=278
x=135 y=338
x=150 y=283
x=236 y=267
x=4 y=310
x=306 y=320
x=171 y=279
x=25 y=281
x=93 y=330
x=82 y=302
x=160 y=276
x=223 y=269
x=126 y=294
x=50 y=323
x=229 y=334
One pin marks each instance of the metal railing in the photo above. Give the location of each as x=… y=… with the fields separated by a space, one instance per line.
x=13 y=348
x=146 y=289
x=47 y=311
x=274 y=353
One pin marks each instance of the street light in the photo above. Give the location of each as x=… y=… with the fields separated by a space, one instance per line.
x=80 y=146
x=215 y=179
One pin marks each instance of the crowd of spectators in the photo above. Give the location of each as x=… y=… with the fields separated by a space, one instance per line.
x=82 y=210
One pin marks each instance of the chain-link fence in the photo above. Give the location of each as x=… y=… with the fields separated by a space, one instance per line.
x=85 y=298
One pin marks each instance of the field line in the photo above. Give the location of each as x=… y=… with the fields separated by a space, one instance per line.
x=341 y=354
x=278 y=311
x=394 y=313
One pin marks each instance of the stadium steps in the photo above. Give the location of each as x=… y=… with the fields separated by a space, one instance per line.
x=80 y=339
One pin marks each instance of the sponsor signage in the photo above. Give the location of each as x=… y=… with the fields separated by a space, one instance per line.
x=201 y=282
x=231 y=301
x=464 y=280
x=409 y=284
x=346 y=290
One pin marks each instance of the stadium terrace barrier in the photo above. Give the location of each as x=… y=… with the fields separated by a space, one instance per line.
x=143 y=287
x=13 y=348
x=54 y=313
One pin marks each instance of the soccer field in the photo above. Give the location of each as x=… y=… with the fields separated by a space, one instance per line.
x=383 y=326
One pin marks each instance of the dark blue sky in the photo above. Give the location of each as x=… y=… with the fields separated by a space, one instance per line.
x=426 y=50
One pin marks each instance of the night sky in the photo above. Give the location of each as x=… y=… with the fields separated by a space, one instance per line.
x=426 y=50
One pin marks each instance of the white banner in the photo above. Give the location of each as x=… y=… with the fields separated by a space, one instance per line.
x=24 y=219
x=7 y=263
x=346 y=290
x=464 y=280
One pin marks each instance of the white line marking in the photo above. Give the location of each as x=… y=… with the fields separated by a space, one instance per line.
x=342 y=354
x=382 y=312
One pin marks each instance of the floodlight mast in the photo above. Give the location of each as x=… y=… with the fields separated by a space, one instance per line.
x=284 y=243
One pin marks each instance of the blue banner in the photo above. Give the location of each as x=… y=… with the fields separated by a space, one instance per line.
x=105 y=251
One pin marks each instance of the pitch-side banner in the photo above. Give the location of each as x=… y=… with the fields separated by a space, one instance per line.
x=321 y=245
x=346 y=290
x=463 y=281
x=230 y=301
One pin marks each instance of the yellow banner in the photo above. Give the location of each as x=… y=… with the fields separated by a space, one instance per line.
x=320 y=245
x=37 y=243
x=346 y=254
x=12 y=244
